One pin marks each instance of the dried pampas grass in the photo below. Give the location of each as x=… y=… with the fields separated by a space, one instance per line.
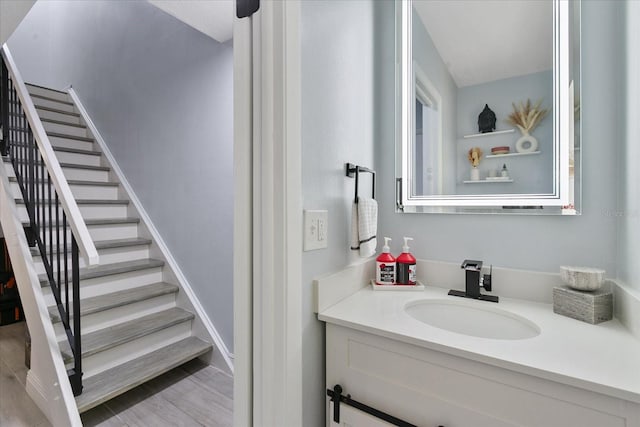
x=526 y=117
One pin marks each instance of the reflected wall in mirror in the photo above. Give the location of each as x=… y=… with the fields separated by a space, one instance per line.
x=516 y=58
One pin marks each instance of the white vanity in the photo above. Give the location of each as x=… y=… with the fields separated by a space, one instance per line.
x=542 y=370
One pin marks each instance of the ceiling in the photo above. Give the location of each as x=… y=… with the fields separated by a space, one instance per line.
x=482 y=41
x=211 y=17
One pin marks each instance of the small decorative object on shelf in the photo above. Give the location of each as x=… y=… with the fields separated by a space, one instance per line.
x=474 y=155
x=504 y=173
x=486 y=120
x=500 y=150
x=526 y=117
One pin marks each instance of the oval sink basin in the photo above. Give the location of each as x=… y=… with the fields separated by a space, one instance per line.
x=484 y=322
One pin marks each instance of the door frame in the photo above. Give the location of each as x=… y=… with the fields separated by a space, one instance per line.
x=268 y=218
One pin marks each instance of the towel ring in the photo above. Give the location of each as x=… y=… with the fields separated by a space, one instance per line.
x=352 y=170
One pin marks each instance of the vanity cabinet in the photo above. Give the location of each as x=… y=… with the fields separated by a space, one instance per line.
x=432 y=388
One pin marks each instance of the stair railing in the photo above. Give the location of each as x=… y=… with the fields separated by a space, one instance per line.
x=56 y=226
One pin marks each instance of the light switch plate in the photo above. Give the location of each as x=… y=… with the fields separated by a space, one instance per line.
x=316 y=224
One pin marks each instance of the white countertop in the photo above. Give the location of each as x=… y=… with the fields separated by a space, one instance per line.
x=604 y=358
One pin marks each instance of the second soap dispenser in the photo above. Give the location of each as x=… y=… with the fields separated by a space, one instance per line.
x=406 y=270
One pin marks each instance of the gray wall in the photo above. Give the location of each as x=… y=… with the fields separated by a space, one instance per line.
x=339 y=95
x=161 y=95
x=530 y=242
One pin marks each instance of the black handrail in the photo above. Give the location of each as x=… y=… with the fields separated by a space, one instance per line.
x=48 y=228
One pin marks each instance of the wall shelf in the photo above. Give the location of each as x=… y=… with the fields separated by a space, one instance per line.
x=492 y=156
x=495 y=132
x=488 y=181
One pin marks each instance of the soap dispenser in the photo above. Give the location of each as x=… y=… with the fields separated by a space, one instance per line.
x=386 y=265
x=406 y=265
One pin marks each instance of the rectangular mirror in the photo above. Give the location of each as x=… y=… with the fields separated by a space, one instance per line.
x=488 y=110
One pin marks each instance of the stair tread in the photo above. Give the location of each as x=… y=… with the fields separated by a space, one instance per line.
x=20 y=201
x=55 y=110
x=79 y=182
x=77 y=150
x=108 y=244
x=112 y=221
x=122 y=333
x=79 y=166
x=120 y=379
x=65 y=136
x=117 y=299
x=50 y=99
x=111 y=269
x=59 y=122
x=46 y=88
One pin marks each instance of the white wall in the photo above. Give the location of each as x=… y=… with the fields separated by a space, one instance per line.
x=11 y=14
x=161 y=94
x=629 y=189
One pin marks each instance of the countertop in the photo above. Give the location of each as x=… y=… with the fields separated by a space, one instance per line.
x=603 y=358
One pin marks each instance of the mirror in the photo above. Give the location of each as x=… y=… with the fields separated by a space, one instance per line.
x=487 y=106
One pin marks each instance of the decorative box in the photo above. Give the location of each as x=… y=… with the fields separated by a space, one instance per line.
x=591 y=307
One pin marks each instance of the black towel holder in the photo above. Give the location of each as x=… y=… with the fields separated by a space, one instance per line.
x=352 y=170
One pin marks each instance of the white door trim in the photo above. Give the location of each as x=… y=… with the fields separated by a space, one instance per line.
x=242 y=222
x=267 y=218
x=277 y=224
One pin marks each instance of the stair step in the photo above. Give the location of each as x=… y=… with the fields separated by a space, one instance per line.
x=77 y=151
x=20 y=201
x=107 y=244
x=117 y=299
x=48 y=98
x=45 y=91
x=125 y=332
x=58 y=122
x=77 y=138
x=55 y=110
x=33 y=85
x=78 y=182
x=111 y=221
x=113 y=382
x=89 y=167
x=111 y=269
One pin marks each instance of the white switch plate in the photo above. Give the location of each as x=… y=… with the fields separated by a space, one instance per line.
x=316 y=224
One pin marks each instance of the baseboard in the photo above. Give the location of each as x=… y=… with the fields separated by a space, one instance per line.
x=36 y=392
x=184 y=283
x=627 y=306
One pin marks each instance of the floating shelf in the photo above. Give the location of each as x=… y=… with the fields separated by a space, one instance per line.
x=488 y=181
x=495 y=132
x=490 y=156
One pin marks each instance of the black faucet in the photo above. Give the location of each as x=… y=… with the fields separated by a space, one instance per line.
x=474 y=281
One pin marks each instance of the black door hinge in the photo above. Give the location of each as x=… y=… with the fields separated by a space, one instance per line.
x=246 y=8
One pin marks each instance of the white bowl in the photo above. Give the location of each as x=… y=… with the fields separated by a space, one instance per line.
x=582 y=278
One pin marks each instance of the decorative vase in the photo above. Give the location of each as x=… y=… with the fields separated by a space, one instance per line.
x=475 y=174
x=526 y=143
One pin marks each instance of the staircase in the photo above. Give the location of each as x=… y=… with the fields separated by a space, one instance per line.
x=132 y=328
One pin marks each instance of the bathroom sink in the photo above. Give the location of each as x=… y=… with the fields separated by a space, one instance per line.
x=472 y=318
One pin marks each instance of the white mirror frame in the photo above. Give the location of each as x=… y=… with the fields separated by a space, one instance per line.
x=563 y=119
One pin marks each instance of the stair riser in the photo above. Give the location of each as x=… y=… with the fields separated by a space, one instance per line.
x=114 y=316
x=74 y=174
x=108 y=359
x=53 y=104
x=52 y=115
x=86 y=192
x=35 y=90
x=94 y=192
x=79 y=159
x=65 y=129
x=87 y=212
x=113 y=231
x=117 y=282
x=71 y=143
x=107 y=256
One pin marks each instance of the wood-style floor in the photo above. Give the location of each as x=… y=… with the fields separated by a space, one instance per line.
x=194 y=394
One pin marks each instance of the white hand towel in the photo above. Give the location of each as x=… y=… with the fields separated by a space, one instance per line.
x=364 y=226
